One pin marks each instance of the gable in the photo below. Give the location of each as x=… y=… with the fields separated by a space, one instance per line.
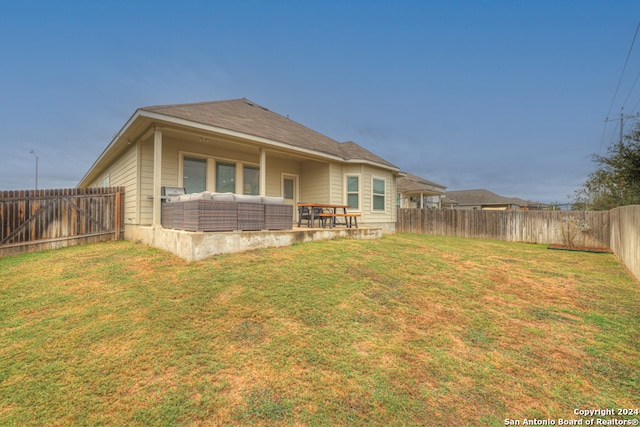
x=240 y=119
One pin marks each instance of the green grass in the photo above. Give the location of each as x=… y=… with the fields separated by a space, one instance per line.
x=405 y=330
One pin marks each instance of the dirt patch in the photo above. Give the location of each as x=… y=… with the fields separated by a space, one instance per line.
x=581 y=249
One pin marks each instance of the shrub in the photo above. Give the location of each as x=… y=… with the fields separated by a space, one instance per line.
x=571 y=228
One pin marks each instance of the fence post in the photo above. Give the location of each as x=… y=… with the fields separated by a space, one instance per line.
x=118 y=213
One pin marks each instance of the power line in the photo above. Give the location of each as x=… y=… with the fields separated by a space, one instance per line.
x=635 y=107
x=631 y=90
x=624 y=69
x=615 y=95
x=621 y=119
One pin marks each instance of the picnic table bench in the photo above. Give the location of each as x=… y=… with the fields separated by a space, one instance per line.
x=350 y=219
x=317 y=211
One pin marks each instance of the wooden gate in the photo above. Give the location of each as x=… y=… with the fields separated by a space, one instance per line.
x=45 y=219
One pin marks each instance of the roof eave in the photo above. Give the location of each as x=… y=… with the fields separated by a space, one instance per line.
x=88 y=177
x=236 y=134
x=258 y=139
x=372 y=163
x=142 y=113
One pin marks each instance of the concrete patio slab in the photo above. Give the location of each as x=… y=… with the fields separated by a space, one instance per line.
x=196 y=246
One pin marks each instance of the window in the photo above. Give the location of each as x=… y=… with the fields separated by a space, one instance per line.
x=251 y=180
x=225 y=177
x=353 y=192
x=194 y=174
x=288 y=185
x=378 y=194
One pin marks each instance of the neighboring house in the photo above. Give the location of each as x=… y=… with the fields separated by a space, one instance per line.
x=416 y=192
x=238 y=146
x=529 y=205
x=479 y=199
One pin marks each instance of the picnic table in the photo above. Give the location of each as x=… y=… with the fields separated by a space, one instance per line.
x=329 y=212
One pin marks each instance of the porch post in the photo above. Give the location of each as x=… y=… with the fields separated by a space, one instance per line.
x=239 y=178
x=157 y=177
x=263 y=172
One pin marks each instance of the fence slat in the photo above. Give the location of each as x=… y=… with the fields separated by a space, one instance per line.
x=514 y=226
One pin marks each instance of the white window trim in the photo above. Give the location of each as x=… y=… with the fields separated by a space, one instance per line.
x=346 y=192
x=296 y=190
x=386 y=194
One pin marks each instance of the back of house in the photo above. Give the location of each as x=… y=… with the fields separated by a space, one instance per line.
x=240 y=147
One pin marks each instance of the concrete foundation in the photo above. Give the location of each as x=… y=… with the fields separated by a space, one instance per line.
x=195 y=246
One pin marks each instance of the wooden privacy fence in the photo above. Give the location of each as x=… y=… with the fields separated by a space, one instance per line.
x=625 y=236
x=46 y=219
x=513 y=226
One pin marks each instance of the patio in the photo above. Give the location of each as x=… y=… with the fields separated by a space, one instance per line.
x=198 y=245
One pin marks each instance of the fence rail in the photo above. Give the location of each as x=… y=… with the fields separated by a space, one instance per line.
x=513 y=226
x=45 y=219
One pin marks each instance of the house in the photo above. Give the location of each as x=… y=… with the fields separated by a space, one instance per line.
x=241 y=147
x=479 y=199
x=417 y=192
x=530 y=205
x=486 y=200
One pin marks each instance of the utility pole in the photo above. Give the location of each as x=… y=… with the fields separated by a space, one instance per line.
x=622 y=117
x=34 y=153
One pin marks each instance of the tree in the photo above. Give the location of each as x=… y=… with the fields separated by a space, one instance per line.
x=616 y=180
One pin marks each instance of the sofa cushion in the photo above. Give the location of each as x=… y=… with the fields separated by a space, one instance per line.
x=223 y=197
x=241 y=198
x=273 y=200
x=195 y=196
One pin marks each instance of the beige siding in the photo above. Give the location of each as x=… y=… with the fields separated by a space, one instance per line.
x=336 y=189
x=170 y=159
x=172 y=147
x=368 y=214
x=122 y=173
x=314 y=182
x=146 y=184
x=275 y=168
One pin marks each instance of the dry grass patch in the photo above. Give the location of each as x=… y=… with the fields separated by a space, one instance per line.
x=405 y=330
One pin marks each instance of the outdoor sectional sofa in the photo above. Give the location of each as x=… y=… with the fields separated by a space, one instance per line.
x=208 y=211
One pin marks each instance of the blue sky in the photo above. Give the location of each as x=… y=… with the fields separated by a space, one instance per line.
x=510 y=96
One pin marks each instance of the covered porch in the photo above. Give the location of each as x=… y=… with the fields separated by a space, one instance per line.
x=416 y=192
x=220 y=163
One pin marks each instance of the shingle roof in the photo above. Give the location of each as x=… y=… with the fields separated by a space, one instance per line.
x=351 y=150
x=245 y=116
x=531 y=203
x=410 y=183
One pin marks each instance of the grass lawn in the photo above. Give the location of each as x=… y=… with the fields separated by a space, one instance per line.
x=405 y=330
